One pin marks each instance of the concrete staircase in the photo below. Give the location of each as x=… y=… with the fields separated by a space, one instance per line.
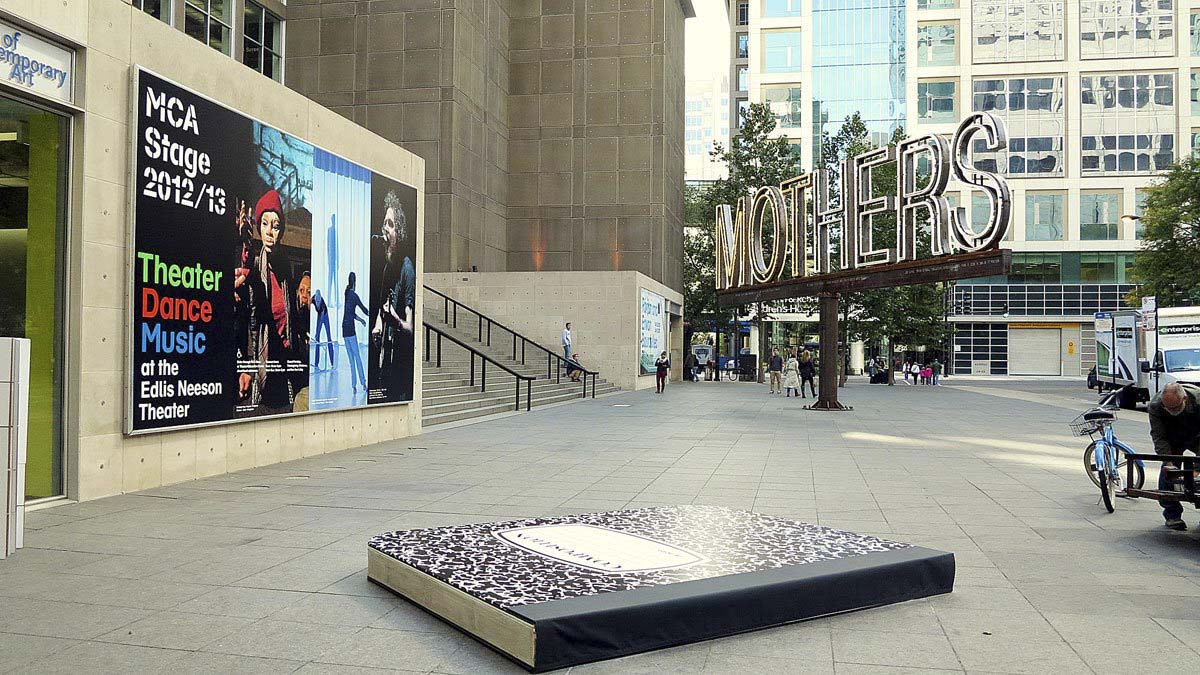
x=447 y=392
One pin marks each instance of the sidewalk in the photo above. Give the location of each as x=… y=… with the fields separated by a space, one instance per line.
x=263 y=571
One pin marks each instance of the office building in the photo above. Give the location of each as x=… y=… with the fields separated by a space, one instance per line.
x=1098 y=99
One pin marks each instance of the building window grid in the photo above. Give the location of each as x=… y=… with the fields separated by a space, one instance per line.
x=159 y=9
x=1084 y=299
x=980 y=342
x=262 y=47
x=937 y=4
x=211 y=22
x=1035 y=116
x=743 y=78
x=1018 y=30
x=937 y=101
x=743 y=46
x=1194 y=32
x=781 y=8
x=1126 y=28
x=1099 y=216
x=743 y=13
x=1044 y=216
x=781 y=51
x=786 y=104
x=1127 y=122
x=937 y=43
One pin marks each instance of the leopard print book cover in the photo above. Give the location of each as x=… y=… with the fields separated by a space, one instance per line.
x=473 y=559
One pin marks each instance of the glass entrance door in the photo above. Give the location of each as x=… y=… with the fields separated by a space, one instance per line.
x=33 y=179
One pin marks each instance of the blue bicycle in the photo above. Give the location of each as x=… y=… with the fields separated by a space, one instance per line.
x=1105 y=459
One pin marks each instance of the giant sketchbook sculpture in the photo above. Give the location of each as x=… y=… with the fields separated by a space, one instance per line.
x=555 y=592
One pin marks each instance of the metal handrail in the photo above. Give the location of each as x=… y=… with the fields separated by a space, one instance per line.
x=484 y=360
x=555 y=362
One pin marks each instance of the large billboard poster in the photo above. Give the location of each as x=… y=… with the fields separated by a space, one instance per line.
x=653 y=330
x=269 y=276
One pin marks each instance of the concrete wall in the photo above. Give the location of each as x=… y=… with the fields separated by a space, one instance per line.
x=553 y=128
x=603 y=308
x=431 y=75
x=99 y=459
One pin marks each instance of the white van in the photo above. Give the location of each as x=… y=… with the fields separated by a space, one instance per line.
x=1144 y=352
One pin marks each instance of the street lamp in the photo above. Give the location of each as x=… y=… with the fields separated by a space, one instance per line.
x=1130 y=220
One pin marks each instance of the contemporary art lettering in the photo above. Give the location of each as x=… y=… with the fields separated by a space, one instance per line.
x=837 y=240
x=34 y=64
x=652 y=322
x=269 y=277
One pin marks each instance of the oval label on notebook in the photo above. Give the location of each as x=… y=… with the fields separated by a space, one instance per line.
x=599 y=548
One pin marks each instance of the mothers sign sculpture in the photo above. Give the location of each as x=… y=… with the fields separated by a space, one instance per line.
x=834 y=249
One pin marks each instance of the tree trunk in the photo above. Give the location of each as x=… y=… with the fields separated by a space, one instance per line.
x=891 y=362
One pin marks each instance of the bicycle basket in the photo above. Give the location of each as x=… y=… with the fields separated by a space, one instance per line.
x=1083 y=427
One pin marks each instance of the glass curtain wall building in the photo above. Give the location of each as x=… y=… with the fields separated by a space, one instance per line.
x=1099 y=97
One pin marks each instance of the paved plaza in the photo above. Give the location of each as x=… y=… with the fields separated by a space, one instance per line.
x=263 y=570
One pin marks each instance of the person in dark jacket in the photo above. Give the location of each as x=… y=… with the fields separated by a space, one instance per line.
x=661 y=367
x=808 y=370
x=1175 y=428
x=350 y=306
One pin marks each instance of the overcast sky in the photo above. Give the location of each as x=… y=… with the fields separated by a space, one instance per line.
x=707 y=40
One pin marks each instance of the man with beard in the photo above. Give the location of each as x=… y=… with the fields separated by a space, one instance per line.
x=393 y=327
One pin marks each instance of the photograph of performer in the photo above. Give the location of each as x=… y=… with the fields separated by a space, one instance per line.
x=269 y=327
x=350 y=307
x=322 y=309
x=392 y=330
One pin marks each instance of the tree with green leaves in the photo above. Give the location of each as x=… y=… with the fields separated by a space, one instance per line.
x=1166 y=266
x=754 y=158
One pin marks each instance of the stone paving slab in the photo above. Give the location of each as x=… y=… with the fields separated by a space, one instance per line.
x=263 y=570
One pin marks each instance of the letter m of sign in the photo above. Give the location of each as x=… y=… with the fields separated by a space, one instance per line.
x=733 y=243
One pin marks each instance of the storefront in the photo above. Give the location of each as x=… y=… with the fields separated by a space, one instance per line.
x=37 y=84
x=114 y=197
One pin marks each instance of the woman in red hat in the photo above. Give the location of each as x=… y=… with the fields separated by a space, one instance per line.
x=268 y=336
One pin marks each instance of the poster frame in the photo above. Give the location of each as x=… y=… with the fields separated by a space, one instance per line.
x=135 y=71
x=662 y=304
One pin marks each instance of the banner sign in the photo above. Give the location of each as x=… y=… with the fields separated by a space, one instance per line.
x=834 y=250
x=269 y=277
x=653 y=330
x=36 y=65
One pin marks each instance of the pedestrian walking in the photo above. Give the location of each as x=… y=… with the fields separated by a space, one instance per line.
x=791 y=375
x=566 y=341
x=937 y=371
x=689 y=367
x=662 y=366
x=808 y=371
x=915 y=371
x=927 y=374
x=775 y=370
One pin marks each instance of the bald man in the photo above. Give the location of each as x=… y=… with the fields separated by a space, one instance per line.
x=1175 y=429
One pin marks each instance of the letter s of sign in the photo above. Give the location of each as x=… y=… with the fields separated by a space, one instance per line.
x=964 y=237
x=732 y=244
x=768 y=197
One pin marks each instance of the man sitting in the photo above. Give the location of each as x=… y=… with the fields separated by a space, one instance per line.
x=574 y=368
x=1175 y=429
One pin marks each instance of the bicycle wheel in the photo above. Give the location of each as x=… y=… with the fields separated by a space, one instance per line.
x=1089 y=465
x=1108 y=490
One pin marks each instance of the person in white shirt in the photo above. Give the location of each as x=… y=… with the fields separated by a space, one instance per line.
x=566 y=342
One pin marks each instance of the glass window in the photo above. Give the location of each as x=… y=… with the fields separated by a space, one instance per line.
x=210 y=21
x=743 y=46
x=159 y=9
x=786 y=104
x=1036 y=268
x=1127 y=122
x=936 y=101
x=937 y=44
x=743 y=78
x=1125 y=273
x=1034 y=115
x=743 y=108
x=1139 y=209
x=1126 y=28
x=1195 y=140
x=1017 y=30
x=33 y=194
x=743 y=13
x=262 y=49
x=1098 y=268
x=937 y=4
x=781 y=51
x=1195 y=92
x=1044 y=216
x=781 y=8
x=1099 y=215
x=1195 y=32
